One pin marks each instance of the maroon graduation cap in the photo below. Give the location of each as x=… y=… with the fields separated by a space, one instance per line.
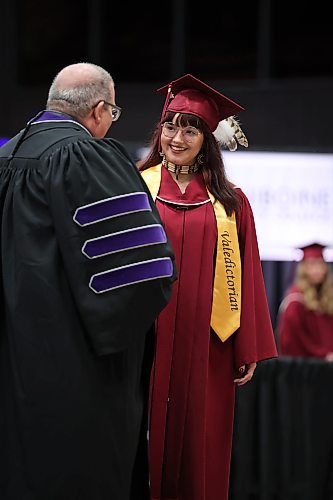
x=313 y=251
x=190 y=95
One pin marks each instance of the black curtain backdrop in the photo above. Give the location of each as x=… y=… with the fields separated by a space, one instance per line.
x=283 y=433
x=278 y=276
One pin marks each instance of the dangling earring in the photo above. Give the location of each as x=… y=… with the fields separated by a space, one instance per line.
x=161 y=154
x=200 y=158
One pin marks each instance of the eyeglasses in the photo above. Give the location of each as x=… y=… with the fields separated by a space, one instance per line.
x=190 y=134
x=115 y=110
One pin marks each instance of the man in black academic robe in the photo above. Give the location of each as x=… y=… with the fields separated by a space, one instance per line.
x=85 y=269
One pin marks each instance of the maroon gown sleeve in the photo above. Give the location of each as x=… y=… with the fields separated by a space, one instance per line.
x=301 y=330
x=291 y=330
x=254 y=340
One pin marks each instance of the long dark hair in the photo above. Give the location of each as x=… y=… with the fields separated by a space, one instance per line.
x=212 y=168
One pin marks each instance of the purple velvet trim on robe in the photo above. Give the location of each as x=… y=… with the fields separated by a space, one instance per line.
x=131 y=274
x=3 y=140
x=124 y=240
x=52 y=116
x=111 y=207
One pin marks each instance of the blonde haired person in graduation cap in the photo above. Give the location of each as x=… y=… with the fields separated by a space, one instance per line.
x=305 y=319
x=217 y=325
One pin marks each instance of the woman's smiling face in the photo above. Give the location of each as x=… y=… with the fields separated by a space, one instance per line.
x=181 y=144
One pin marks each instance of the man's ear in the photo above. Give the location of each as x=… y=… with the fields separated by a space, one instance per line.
x=97 y=112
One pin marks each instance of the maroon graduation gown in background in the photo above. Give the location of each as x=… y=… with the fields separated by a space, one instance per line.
x=192 y=388
x=303 y=332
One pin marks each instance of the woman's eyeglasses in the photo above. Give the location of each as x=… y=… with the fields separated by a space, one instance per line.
x=189 y=133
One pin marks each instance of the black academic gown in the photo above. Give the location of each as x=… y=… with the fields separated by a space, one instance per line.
x=73 y=328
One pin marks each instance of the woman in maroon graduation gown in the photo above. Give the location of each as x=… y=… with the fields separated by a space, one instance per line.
x=217 y=324
x=305 y=324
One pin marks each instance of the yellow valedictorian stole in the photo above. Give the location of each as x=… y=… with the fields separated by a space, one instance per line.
x=226 y=307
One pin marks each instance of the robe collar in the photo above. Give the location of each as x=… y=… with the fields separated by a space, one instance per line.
x=47 y=116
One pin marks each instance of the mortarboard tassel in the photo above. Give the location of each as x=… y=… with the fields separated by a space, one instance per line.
x=167 y=100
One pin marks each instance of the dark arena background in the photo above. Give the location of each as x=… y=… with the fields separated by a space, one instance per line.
x=275 y=58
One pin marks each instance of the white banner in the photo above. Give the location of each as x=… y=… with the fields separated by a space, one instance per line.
x=291 y=195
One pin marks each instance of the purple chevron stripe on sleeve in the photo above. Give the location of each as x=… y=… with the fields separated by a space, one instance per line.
x=124 y=240
x=131 y=274
x=111 y=207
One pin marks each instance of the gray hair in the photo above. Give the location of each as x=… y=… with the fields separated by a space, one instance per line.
x=78 y=97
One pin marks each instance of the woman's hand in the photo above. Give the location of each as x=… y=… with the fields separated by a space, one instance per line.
x=246 y=373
